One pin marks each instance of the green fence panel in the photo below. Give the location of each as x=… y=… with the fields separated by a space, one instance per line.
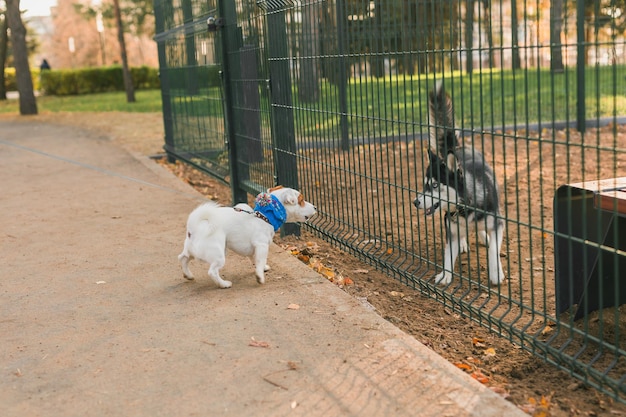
x=332 y=96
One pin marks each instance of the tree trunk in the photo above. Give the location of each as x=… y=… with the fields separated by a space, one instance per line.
x=128 y=79
x=308 y=83
x=489 y=30
x=4 y=41
x=556 y=29
x=469 y=36
x=28 y=103
x=516 y=59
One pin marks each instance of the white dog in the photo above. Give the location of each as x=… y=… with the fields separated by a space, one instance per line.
x=212 y=228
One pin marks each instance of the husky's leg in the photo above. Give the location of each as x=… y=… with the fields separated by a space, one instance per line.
x=496 y=234
x=454 y=238
x=483 y=238
x=463 y=246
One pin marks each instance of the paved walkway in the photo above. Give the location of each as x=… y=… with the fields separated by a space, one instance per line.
x=97 y=320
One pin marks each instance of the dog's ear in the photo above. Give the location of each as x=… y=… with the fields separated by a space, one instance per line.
x=435 y=160
x=291 y=197
x=278 y=187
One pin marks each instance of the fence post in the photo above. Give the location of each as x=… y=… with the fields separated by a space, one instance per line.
x=230 y=71
x=343 y=78
x=580 y=66
x=191 y=76
x=166 y=105
x=283 y=127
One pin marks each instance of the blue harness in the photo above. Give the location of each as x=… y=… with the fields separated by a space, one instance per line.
x=269 y=209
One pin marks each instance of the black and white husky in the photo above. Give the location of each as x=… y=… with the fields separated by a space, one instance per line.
x=460 y=182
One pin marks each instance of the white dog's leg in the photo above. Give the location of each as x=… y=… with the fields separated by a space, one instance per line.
x=184 y=259
x=214 y=273
x=260 y=262
x=496 y=275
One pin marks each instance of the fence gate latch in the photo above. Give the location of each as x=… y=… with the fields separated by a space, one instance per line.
x=214 y=23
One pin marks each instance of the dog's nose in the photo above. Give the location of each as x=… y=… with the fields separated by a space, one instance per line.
x=416 y=203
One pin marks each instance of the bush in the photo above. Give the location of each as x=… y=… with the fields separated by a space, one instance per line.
x=10 y=82
x=94 y=80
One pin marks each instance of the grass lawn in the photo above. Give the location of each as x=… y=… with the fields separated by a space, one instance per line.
x=146 y=101
x=394 y=105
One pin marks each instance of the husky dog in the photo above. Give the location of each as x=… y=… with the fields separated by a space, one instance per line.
x=460 y=182
x=211 y=229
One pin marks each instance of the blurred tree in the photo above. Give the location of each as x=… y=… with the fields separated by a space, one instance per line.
x=308 y=81
x=4 y=43
x=128 y=79
x=556 y=31
x=28 y=103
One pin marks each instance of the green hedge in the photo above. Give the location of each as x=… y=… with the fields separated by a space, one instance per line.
x=11 y=83
x=86 y=80
x=95 y=80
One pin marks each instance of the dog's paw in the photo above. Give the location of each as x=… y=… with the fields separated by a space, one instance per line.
x=483 y=238
x=260 y=279
x=463 y=246
x=188 y=277
x=497 y=279
x=266 y=268
x=443 y=278
x=225 y=284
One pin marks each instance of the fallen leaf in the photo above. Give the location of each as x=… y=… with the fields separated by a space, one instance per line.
x=293 y=307
x=328 y=273
x=361 y=271
x=257 y=343
x=463 y=366
x=100 y=282
x=396 y=294
x=347 y=281
x=490 y=352
x=304 y=258
x=480 y=377
x=478 y=342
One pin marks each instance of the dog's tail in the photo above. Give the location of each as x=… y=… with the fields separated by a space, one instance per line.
x=442 y=140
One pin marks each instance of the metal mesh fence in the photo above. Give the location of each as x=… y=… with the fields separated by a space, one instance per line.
x=331 y=96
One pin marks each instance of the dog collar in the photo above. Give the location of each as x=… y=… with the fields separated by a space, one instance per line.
x=453 y=215
x=267 y=207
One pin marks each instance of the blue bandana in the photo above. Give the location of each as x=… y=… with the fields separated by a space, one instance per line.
x=270 y=207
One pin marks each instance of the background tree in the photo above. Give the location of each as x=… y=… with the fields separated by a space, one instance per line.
x=556 y=31
x=4 y=43
x=308 y=82
x=128 y=79
x=516 y=59
x=28 y=103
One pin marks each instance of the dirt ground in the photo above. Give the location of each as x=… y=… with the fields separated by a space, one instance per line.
x=534 y=386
